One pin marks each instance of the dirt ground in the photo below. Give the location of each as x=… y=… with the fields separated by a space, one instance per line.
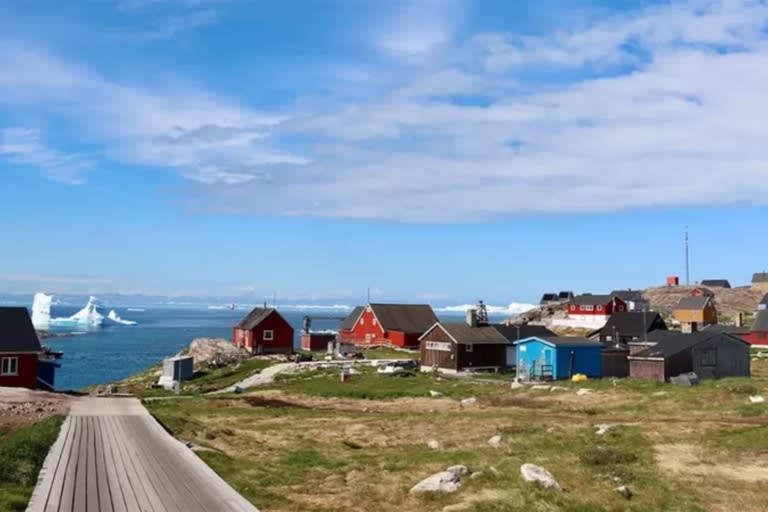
x=22 y=407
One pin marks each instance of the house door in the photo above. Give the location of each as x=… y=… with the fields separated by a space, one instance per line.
x=546 y=365
x=510 y=357
x=708 y=364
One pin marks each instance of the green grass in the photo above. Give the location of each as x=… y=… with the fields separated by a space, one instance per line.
x=21 y=456
x=750 y=440
x=369 y=385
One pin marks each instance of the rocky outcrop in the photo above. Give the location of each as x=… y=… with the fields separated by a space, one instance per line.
x=214 y=351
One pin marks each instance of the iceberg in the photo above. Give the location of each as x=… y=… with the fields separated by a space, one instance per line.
x=87 y=318
x=112 y=315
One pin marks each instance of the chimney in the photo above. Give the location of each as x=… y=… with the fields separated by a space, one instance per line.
x=690 y=327
x=472 y=317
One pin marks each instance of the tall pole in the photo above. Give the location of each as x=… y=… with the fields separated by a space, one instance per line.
x=274 y=299
x=687 y=264
x=369 y=295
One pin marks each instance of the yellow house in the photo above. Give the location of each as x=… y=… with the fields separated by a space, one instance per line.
x=699 y=310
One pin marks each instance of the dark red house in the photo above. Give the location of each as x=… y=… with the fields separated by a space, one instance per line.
x=595 y=307
x=395 y=324
x=758 y=333
x=19 y=349
x=264 y=331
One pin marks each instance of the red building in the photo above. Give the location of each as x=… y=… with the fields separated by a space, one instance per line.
x=264 y=331
x=19 y=349
x=396 y=324
x=315 y=341
x=594 y=308
x=701 y=292
x=758 y=333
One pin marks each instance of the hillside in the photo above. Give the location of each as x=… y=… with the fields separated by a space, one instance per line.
x=729 y=302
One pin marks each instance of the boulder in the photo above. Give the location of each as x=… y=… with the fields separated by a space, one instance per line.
x=686 y=380
x=469 y=401
x=584 y=392
x=215 y=351
x=558 y=388
x=459 y=470
x=541 y=387
x=624 y=491
x=496 y=441
x=516 y=384
x=757 y=399
x=434 y=444
x=439 y=482
x=537 y=474
x=603 y=428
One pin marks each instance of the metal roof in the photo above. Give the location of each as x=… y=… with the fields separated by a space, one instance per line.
x=462 y=333
x=632 y=323
x=409 y=318
x=633 y=295
x=254 y=318
x=693 y=302
x=351 y=319
x=563 y=341
x=17 y=334
x=719 y=283
x=669 y=343
x=591 y=299
x=519 y=332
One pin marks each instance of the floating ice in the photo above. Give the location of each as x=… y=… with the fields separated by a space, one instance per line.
x=113 y=316
x=41 y=311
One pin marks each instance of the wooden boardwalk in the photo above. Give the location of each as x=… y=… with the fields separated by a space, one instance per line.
x=112 y=455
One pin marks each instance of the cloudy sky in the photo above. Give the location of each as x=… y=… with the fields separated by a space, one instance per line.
x=441 y=150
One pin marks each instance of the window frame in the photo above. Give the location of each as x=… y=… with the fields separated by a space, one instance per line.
x=9 y=360
x=271 y=336
x=468 y=347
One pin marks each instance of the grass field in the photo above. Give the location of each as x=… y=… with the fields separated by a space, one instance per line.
x=22 y=453
x=312 y=443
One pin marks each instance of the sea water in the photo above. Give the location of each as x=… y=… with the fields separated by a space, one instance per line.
x=114 y=352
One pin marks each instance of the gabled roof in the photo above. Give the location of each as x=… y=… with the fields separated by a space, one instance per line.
x=588 y=299
x=519 y=332
x=351 y=319
x=703 y=291
x=761 y=321
x=693 y=302
x=462 y=333
x=254 y=318
x=17 y=334
x=625 y=295
x=562 y=341
x=549 y=297
x=409 y=318
x=669 y=343
x=632 y=324
x=760 y=277
x=728 y=329
x=565 y=294
x=720 y=283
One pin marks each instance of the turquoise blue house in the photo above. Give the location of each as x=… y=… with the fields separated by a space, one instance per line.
x=558 y=357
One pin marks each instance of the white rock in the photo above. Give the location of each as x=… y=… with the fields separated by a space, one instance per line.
x=476 y=475
x=534 y=473
x=659 y=393
x=584 y=391
x=435 y=394
x=540 y=387
x=469 y=401
x=496 y=441
x=757 y=399
x=459 y=470
x=439 y=482
x=434 y=444
x=558 y=388
x=516 y=384
x=603 y=428
x=624 y=491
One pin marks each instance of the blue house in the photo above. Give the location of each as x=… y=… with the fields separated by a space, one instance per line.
x=558 y=357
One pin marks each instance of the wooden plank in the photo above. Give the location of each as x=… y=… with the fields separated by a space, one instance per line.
x=105 y=495
x=132 y=458
x=91 y=478
x=113 y=478
x=50 y=474
x=132 y=480
x=70 y=476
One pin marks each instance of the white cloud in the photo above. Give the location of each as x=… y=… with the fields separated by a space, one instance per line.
x=52 y=279
x=661 y=107
x=24 y=146
x=170 y=26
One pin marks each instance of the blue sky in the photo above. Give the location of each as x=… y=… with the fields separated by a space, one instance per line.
x=432 y=150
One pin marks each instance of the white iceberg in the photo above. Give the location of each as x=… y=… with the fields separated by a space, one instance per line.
x=87 y=318
x=112 y=315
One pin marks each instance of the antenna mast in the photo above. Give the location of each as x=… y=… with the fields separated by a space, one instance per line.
x=687 y=264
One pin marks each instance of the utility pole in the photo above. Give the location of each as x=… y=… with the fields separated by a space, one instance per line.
x=274 y=299
x=687 y=264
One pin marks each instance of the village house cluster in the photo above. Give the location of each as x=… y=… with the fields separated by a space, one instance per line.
x=625 y=338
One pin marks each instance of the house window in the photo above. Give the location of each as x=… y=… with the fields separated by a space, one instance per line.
x=619 y=308
x=10 y=366
x=373 y=320
x=572 y=307
x=599 y=308
x=269 y=335
x=438 y=345
x=362 y=320
x=468 y=347
x=588 y=307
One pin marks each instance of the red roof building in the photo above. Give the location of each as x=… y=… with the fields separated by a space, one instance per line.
x=595 y=308
x=264 y=331
x=758 y=333
x=396 y=324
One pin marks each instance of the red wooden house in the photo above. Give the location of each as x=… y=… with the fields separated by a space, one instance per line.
x=595 y=308
x=758 y=334
x=396 y=324
x=699 y=291
x=264 y=331
x=19 y=349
